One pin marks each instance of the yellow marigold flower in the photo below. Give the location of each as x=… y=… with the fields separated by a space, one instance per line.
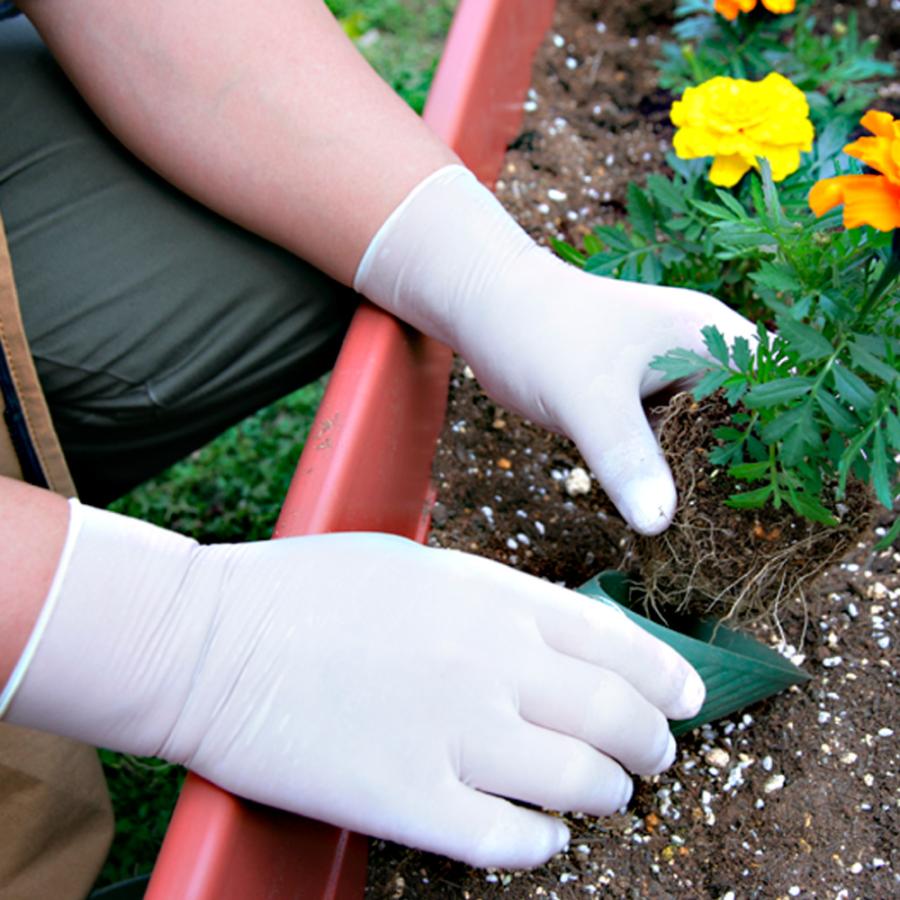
x=731 y=8
x=867 y=199
x=738 y=121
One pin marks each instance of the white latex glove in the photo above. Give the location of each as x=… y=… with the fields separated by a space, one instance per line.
x=359 y=679
x=567 y=350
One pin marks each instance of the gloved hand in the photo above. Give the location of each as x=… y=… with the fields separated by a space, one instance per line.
x=356 y=678
x=567 y=350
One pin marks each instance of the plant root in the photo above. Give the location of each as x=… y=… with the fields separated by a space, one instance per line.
x=739 y=565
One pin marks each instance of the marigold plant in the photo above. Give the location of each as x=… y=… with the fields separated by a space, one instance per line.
x=738 y=122
x=867 y=199
x=831 y=60
x=731 y=8
x=817 y=402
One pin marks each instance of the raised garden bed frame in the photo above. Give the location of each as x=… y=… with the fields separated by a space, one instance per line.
x=366 y=467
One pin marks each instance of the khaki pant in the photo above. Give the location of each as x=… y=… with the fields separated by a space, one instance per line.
x=57 y=821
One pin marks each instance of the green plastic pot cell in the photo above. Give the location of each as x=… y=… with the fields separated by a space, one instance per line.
x=737 y=669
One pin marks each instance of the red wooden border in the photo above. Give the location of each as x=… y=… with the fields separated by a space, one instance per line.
x=365 y=467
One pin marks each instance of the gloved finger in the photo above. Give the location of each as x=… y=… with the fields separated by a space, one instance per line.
x=602 y=636
x=485 y=831
x=551 y=769
x=695 y=312
x=615 y=439
x=602 y=709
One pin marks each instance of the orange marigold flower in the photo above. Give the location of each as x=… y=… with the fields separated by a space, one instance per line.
x=867 y=199
x=731 y=8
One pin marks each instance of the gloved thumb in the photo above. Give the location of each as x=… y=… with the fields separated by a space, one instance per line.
x=619 y=446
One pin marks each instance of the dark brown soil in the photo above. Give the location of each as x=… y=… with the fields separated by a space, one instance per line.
x=798 y=796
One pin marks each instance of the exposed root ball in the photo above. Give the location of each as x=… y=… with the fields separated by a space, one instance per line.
x=732 y=563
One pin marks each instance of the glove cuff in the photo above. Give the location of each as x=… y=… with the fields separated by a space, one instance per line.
x=439 y=254
x=110 y=658
x=40 y=626
x=365 y=272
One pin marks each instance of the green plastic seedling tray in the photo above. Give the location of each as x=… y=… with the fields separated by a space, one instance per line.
x=737 y=669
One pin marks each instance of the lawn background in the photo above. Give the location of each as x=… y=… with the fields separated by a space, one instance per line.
x=232 y=489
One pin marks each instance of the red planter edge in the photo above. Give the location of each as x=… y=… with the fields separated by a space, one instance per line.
x=366 y=466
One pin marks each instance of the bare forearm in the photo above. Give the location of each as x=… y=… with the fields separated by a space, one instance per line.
x=263 y=111
x=33 y=526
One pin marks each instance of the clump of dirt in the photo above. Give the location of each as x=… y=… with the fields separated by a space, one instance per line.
x=734 y=564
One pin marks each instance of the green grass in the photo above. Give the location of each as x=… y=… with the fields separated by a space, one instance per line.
x=402 y=40
x=232 y=489
x=143 y=793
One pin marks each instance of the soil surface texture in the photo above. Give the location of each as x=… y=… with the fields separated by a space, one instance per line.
x=797 y=796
